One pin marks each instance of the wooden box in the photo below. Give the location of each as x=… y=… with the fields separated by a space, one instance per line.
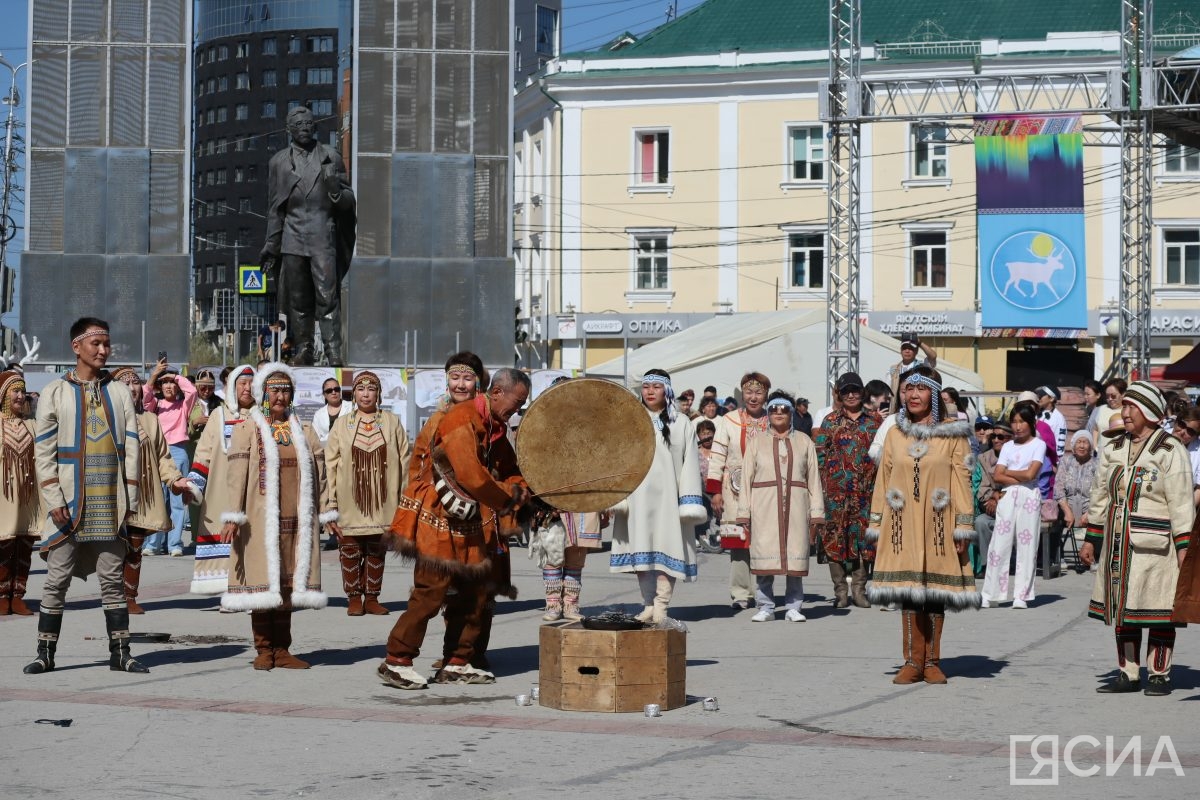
x=582 y=670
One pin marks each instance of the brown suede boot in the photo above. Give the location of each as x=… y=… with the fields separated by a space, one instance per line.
x=20 y=575
x=858 y=584
x=133 y=571
x=350 y=556
x=281 y=640
x=373 y=564
x=933 y=648
x=913 y=641
x=841 y=595
x=260 y=623
x=7 y=550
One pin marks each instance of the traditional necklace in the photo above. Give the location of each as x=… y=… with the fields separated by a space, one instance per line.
x=281 y=432
x=367 y=420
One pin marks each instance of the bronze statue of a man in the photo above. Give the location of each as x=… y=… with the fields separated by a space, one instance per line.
x=310 y=237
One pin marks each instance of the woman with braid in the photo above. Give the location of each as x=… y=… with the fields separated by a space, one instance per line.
x=21 y=511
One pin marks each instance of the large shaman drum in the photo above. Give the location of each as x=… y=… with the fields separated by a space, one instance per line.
x=585 y=444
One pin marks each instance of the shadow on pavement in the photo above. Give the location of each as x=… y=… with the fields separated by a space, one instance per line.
x=972 y=666
x=513 y=660
x=213 y=601
x=340 y=657
x=190 y=655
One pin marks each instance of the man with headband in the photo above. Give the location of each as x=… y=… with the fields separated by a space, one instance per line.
x=909 y=344
x=86 y=455
x=310 y=236
x=21 y=511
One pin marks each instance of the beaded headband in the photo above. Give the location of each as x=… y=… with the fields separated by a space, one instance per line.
x=88 y=333
x=753 y=384
x=917 y=379
x=280 y=382
x=367 y=379
x=123 y=374
x=461 y=368
x=657 y=379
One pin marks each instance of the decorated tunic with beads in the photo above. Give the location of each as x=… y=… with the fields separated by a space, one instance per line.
x=921 y=504
x=1140 y=514
x=366 y=461
x=21 y=510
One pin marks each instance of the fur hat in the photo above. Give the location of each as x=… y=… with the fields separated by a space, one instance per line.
x=266 y=371
x=244 y=371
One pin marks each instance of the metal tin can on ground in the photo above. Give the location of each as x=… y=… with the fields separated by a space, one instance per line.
x=523 y=700
x=535 y=692
x=653 y=710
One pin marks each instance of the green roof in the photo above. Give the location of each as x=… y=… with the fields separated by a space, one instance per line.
x=764 y=26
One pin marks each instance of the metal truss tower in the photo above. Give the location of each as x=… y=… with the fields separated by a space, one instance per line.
x=1128 y=94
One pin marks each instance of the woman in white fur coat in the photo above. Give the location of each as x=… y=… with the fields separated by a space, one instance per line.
x=275 y=481
x=654 y=528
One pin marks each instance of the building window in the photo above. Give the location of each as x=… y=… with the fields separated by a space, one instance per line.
x=806 y=153
x=243 y=80
x=241 y=111
x=652 y=157
x=222 y=114
x=806 y=260
x=930 y=152
x=517 y=34
x=222 y=52
x=211 y=85
x=208 y=275
x=1182 y=160
x=1182 y=257
x=547 y=31
x=269 y=78
x=293 y=104
x=243 y=49
x=199 y=58
x=239 y=175
x=222 y=176
x=318 y=76
x=268 y=46
x=294 y=76
x=209 y=116
x=212 y=55
x=321 y=108
x=927 y=250
x=244 y=208
x=251 y=174
x=294 y=45
x=223 y=83
x=209 y=147
x=268 y=109
x=651 y=265
x=319 y=44
x=222 y=145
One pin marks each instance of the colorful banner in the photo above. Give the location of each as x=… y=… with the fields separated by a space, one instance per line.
x=1029 y=196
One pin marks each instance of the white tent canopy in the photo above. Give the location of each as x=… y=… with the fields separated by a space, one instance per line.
x=789 y=347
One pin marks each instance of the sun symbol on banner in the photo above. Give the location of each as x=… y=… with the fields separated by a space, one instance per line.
x=1033 y=270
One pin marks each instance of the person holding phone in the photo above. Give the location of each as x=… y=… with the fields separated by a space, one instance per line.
x=171 y=397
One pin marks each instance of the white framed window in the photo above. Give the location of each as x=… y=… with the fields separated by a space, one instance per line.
x=1181 y=258
x=241 y=111
x=650 y=279
x=652 y=160
x=928 y=259
x=806 y=261
x=1180 y=160
x=806 y=154
x=930 y=153
x=321 y=108
x=319 y=76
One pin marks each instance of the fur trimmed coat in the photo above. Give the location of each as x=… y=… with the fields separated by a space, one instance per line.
x=485 y=467
x=156 y=467
x=340 y=470
x=922 y=504
x=21 y=509
x=261 y=569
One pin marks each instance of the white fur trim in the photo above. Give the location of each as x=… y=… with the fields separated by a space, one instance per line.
x=945 y=430
x=195 y=496
x=209 y=586
x=953 y=601
x=325 y=517
x=872 y=534
x=236 y=517
x=965 y=535
x=939 y=499
x=266 y=371
x=252 y=601
x=918 y=449
x=895 y=499
x=692 y=514
x=231 y=402
x=621 y=507
x=309 y=599
x=969 y=461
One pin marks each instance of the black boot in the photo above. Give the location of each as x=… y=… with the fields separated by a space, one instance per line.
x=331 y=338
x=49 y=624
x=119 y=660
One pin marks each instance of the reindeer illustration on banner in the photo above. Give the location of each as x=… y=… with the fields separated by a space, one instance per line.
x=1036 y=273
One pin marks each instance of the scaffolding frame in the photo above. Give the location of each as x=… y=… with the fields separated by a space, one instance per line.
x=1127 y=94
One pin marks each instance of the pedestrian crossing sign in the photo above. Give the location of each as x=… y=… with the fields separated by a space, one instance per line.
x=251 y=280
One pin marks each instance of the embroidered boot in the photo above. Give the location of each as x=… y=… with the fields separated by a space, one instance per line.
x=841 y=595
x=351 y=558
x=1129 y=647
x=858 y=584
x=649 y=586
x=933 y=648
x=553 y=578
x=664 y=588
x=119 y=660
x=20 y=575
x=572 y=583
x=133 y=571
x=7 y=549
x=373 y=567
x=913 y=642
x=49 y=625
x=1159 y=650
x=260 y=624
x=281 y=640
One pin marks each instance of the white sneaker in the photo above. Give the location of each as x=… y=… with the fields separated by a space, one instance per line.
x=794 y=616
x=465 y=673
x=764 y=615
x=985 y=603
x=1020 y=604
x=401 y=677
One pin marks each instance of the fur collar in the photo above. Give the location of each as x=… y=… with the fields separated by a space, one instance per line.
x=943 y=430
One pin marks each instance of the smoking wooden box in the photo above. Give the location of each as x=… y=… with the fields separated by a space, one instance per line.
x=583 y=670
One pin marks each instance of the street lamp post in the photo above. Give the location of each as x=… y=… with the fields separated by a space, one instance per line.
x=8 y=227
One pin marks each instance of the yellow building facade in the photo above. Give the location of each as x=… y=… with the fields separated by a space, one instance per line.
x=656 y=187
